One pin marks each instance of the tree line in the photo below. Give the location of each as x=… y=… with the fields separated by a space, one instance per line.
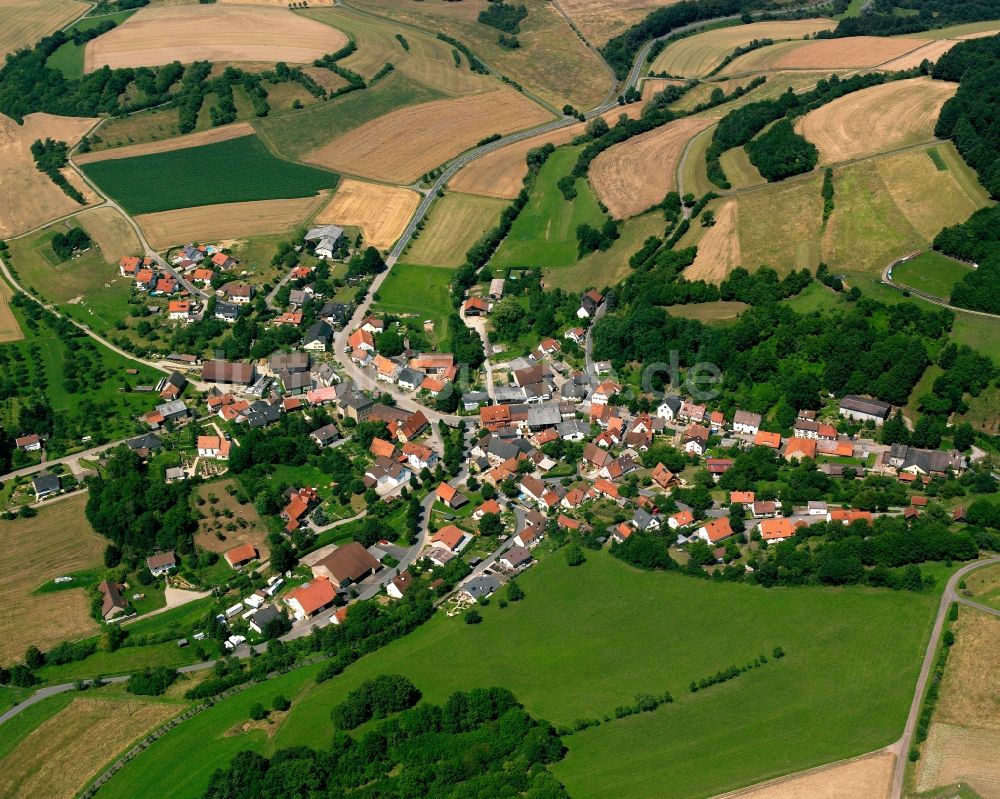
x=423 y=751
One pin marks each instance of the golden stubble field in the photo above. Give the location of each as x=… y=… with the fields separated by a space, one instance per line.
x=227 y=221
x=402 y=145
x=855 y=52
x=719 y=247
x=696 y=56
x=964 y=740
x=160 y=34
x=382 y=212
x=636 y=174
x=501 y=172
x=56 y=541
x=10 y=330
x=57 y=759
x=111 y=232
x=877 y=119
x=24 y=22
x=600 y=20
x=28 y=198
x=210 y=136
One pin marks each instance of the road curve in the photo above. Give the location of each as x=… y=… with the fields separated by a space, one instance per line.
x=887 y=279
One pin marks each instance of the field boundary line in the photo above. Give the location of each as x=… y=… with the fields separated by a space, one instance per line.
x=808 y=772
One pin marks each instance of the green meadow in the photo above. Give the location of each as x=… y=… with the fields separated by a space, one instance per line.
x=419 y=292
x=544 y=233
x=68 y=59
x=930 y=272
x=225 y=172
x=586 y=640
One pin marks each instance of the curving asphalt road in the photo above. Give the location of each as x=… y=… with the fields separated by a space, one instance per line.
x=947 y=597
x=887 y=279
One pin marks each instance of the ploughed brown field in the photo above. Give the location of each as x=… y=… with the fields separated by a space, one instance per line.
x=160 y=34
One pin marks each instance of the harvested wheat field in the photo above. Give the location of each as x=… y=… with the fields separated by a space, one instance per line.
x=382 y=212
x=719 y=247
x=161 y=34
x=929 y=52
x=28 y=197
x=850 y=53
x=57 y=541
x=27 y=21
x=501 y=172
x=696 y=56
x=600 y=20
x=928 y=197
x=877 y=119
x=10 y=330
x=226 y=221
x=636 y=174
x=864 y=778
x=455 y=223
x=404 y=144
x=961 y=754
x=779 y=225
x=111 y=232
x=210 y=136
x=61 y=755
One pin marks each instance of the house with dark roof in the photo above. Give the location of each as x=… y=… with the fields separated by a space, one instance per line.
x=864 y=409
x=346 y=565
x=45 y=484
x=161 y=563
x=325 y=435
x=113 y=603
x=317 y=337
x=218 y=371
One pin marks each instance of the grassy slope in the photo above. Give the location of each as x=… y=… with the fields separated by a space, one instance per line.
x=421 y=292
x=610 y=631
x=932 y=272
x=24 y=723
x=544 y=234
x=69 y=58
x=229 y=171
x=609 y=267
x=105 y=293
x=313 y=127
x=455 y=223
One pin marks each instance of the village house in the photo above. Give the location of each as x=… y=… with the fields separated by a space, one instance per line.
x=489 y=506
x=399 y=585
x=325 y=435
x=481 y=587
x=680 y=519
x=419 y=456
x=373 y=325
x=529 y=537
x=450 y=496
x=746 y=422
x=775 y=531
x=161 y=563
x=475 y=306
x=172 y=386
x=695 y=440
x=846 y=517
x=227 y=312
x=576 y=334
x=662 y=476
x=864 y=409
x=916 y=461
x=265 y=615
x=386 y=475
x=515 y=558
x=715 y=530
x=496 y=288
x=348 y=564
x=237 y=292
x=324 y=239
x=452 y=538
x=798 y=448
x=179 y=310
x=216 y=371
x=112 y=602
x=765 y=508
x=766 y=439
x=239 y=556
x=317 y=337
x=669 y=409
x=742 y=498
x=45 y=484
x=213 y=447
x=299 y=504
x=29 y=443
x=309 y=599
x=589 y=303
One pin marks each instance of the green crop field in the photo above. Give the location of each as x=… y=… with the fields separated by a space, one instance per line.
x=224 y=172
x=295 y=135
x=610 y=631
x=930 y=272
x=69 y=58
x=544 y=234
x=419 y=292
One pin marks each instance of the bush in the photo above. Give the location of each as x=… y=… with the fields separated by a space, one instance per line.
x=258 y=712
x=281 y=702
x=473 y=616
x=574 y=555
x=151 y=681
